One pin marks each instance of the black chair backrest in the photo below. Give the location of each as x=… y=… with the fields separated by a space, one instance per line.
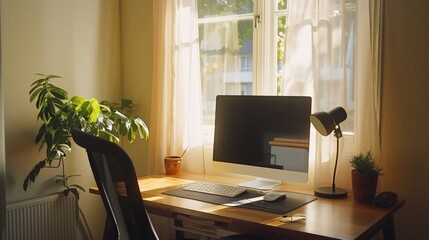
x=117 y=182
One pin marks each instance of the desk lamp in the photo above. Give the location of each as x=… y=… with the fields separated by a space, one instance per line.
x=325 y=123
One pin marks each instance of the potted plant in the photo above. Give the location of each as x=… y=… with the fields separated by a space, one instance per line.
x=60 y=114
x=364 y=177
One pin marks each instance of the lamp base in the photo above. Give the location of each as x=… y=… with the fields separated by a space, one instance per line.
x=327 y=192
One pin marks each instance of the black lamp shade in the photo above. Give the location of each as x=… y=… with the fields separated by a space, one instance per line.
x=338 y=114
x=325 y=122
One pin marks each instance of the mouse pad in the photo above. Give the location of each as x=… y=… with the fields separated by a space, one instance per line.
x=292 y=201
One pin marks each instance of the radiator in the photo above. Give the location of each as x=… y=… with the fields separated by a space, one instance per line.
x=52 y=217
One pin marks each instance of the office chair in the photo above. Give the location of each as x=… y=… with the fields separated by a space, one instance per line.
x=117 y=182
x=113 y=170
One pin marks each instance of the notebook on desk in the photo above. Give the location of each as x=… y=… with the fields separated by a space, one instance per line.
x=292 y=201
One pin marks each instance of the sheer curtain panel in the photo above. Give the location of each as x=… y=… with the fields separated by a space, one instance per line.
x=329 y=57
x=177 y=116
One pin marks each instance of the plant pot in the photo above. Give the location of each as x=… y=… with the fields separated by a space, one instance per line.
x=364 y=186
x=172 y=164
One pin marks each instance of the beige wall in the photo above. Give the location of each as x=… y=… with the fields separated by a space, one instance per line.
x=136 y=50
x=405 y=112
x=79 y=40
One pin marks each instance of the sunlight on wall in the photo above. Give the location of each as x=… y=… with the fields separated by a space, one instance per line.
x=79 y=40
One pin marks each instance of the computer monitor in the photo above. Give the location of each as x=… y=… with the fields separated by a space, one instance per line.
x=263 y=136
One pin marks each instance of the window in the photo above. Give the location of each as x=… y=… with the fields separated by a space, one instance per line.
x=245 y=63
x=242 y=51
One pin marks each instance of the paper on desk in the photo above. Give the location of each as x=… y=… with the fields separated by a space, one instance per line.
x=244 y=201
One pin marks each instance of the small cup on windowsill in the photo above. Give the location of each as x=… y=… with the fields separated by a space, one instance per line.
x=172 y=164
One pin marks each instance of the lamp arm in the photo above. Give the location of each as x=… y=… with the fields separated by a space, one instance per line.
x=336 y=162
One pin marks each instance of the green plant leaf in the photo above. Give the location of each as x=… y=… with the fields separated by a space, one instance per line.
x=77 y=100
x=75 y=192
x=33 y=174
x=142 y=128
x=66 y=192
x=41 y=98
x=59 y=93
x=121 y=115
x=57 y=102
x=34 y=93
x=109 y=123
x=64 y=146
x=104 y=108
x=45 y=114
x=109 y=136
x=41 y=133
x=95 y=107
x=123 y=129
x=127 y=103
x=131 y=136
x=50 y=108
x=52 y=76
x=39 y=82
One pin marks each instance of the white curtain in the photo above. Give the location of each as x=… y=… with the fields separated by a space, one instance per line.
x=320 y=50
x=176 y=119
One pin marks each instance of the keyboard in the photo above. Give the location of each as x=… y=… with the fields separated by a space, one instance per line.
x=215 y=189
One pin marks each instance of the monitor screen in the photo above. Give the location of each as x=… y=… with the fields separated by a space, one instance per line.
x=263 y=136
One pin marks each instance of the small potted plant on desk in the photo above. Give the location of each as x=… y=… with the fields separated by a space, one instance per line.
x=364 y=177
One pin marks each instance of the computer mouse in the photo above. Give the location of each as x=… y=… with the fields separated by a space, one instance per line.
x=385 y=199
x=273 y=196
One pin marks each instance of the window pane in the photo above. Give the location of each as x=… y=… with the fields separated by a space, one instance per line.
x=280 y=39
x=226 y=50
x=281 y=4
x=210 y=8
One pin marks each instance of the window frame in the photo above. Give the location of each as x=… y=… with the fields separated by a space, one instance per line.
x=265 y=18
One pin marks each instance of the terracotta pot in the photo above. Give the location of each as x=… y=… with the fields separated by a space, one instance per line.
x=364 y=186
x=172 y=164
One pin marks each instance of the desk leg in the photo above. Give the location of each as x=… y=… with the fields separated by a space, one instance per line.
x=389 y=229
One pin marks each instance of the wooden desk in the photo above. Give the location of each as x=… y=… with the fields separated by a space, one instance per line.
x=325 y=218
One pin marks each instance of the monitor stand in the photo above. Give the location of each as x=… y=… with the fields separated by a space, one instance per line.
x=261 y=184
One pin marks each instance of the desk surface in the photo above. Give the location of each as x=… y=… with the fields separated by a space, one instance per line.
x=325 y=218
